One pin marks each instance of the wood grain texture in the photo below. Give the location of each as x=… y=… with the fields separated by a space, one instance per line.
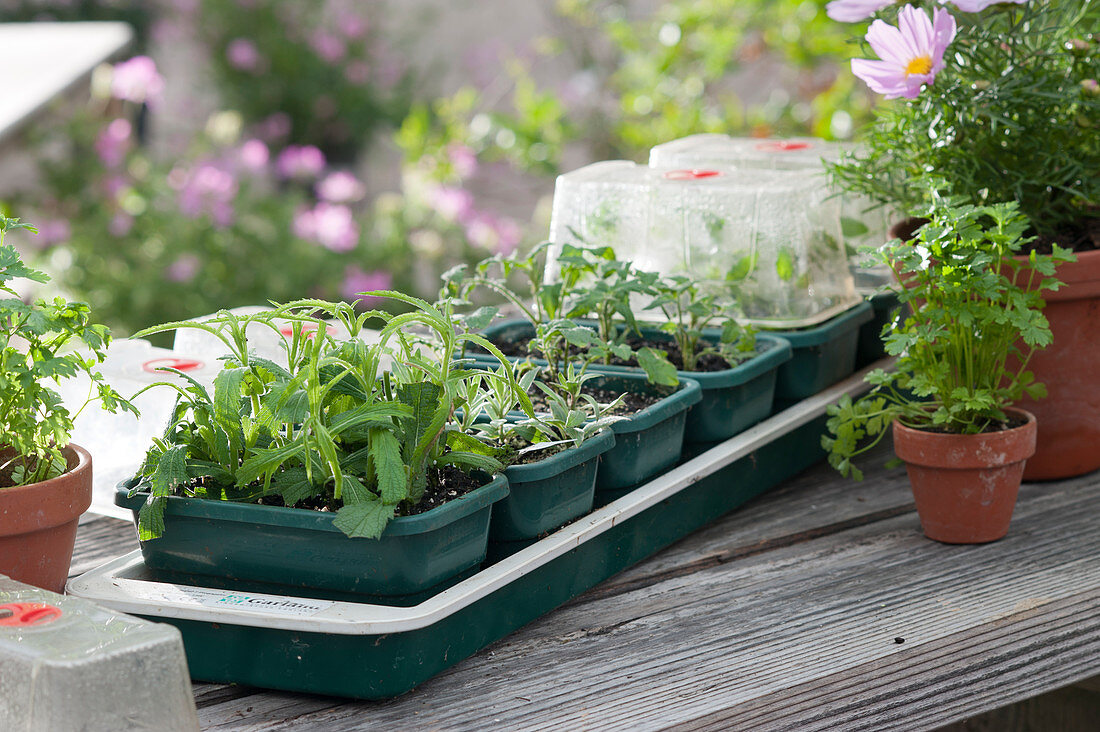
x=782 y=616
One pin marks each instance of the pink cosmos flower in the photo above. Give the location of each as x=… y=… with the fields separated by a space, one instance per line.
x=853 y=11
x=254 y=155
x=911 y=53
x=242 y=55
x=331 y=226
x=121 y=223
x=498 y=235
x=52 y=232
x=137 y=80
x=209 y=190
x=113 y=142
x=341 y=187
x=463 y=159
x=183 y=269
x=301 y=162
x=329 y=47
x=356 y=280
x=976 y=6
x=453 y=204
x=274 y=126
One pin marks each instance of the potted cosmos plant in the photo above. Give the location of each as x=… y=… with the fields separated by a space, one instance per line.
x=1002 y=98
x=962 y=355
x=45 y=481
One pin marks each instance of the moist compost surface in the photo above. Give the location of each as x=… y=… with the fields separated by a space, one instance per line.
x=632 y=404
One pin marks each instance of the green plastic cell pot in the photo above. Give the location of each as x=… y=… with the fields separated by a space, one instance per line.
x=549 y=493
x=821 y=355
x=871 y=348
x=731 y=400
x=649 y=442
x=301 y=549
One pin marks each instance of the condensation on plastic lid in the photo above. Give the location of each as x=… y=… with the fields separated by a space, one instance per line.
x=24 y=614
x=179 y=364
x=692 y=174
x=782 y=146
x=307 y=328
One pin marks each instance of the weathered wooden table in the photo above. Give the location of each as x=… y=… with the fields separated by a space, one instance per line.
x=819 y=606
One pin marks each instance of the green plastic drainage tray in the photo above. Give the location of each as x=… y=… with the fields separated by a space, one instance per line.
x=302 y=550
x=307 y=644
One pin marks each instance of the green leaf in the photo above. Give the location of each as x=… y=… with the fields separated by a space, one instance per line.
x=784 y=265
x=389 y=469
x=292 y=485
x=364 y=520
x=657 y=367
x=853 y=228
x=742 y=268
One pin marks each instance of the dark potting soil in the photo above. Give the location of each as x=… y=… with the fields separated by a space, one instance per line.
x=633 y=403
x=1084 y=236
x=444 y=484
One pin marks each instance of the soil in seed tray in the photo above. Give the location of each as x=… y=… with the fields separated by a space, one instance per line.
x=444 y=484
x=632 y=404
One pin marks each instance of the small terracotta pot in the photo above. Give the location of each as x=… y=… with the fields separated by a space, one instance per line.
x=965 y=485
x=1069 y=416
x=38 y=523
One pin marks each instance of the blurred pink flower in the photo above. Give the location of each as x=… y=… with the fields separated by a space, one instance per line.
x=463 y=159
x=113 y=142
x=114 y=185
x=183 y=269
x=332 y=226
x=329 y=47
x=120 y=224
x=357 y=280
x=352 y=25
x=911 y=53
x=453 y=204
x=137 y=80
x=492 y=233
x=254 y=155
x=341 y=187
x=357 y=72
x=51 y=232
x=853 y=11
x=976 y=6
x=274 y=127
x=300 y=162
x=209 y=190
x=242 y=54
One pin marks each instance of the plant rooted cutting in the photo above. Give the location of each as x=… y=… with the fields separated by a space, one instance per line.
x=35 y=347
x=327 y=428
x=973 y=307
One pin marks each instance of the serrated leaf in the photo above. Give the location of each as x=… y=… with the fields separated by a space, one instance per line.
x=364 y=520
x=389 y=469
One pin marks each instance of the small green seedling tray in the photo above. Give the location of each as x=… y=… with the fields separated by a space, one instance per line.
x=544 y=495
x=301 y=549
x=731 y=400
x=373 y=651
x=821 y=355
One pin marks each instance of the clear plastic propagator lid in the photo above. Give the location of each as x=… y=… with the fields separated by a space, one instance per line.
x=769 y=238
x=864 y=223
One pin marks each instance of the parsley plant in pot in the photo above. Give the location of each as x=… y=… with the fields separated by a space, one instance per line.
x=45 y=481
x=1003 y=99
x=950 y=398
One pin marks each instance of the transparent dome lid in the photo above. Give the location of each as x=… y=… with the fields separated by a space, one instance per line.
x=769 y=238
x=864 y=222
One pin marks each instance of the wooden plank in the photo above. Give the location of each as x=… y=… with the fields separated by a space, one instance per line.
x=100 y=539
x=799 y=637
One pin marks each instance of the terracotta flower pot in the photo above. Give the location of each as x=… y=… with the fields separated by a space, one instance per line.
x=1069 y=417
x=965 y=485
x=38 y=523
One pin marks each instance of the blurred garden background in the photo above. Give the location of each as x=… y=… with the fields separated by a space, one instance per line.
x=243 y=151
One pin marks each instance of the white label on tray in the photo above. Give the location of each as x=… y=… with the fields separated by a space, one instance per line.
x=247 y=601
